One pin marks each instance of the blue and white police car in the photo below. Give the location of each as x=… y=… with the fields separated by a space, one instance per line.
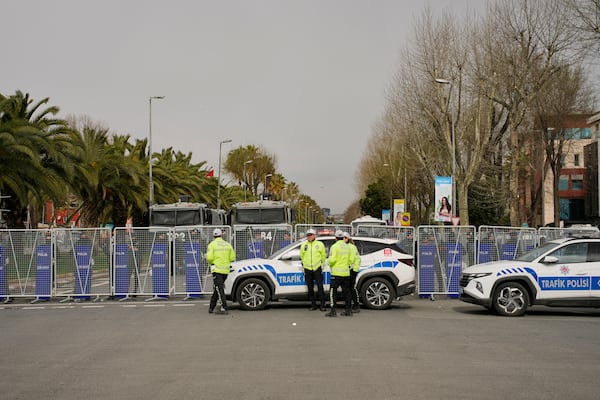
x=386 y=273
x=560 y=273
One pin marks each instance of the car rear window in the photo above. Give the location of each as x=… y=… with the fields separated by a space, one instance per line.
x=368 y=247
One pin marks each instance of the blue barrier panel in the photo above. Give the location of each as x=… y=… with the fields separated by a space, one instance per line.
x=43 y=275
x=121 y=271
x=160 y=271
x=485 y=252
x=453 y=268
x=255 y=249
x=193 y=285
x=3 y=281
x=509 y=251
x=326 y=278
x=426 y=269
x=83 y=271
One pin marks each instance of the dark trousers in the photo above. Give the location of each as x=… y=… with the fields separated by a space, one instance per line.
x=344 y=282
x=219 y=291
x=353 y=289
x=312 y=277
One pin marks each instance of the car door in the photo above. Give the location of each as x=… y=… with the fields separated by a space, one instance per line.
x=566 y=273
x=290 y=275
x=594 y=258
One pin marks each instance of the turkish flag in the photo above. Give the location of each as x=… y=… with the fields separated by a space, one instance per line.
x=210 y=174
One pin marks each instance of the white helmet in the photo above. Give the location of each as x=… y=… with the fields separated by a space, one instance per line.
x=217 y=232
x=311 y=232
x=339 y=234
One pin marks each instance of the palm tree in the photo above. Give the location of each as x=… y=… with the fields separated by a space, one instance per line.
x=109 y=180
x=34 y=149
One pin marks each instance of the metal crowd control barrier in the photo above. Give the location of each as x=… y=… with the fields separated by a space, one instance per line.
x=85 y=264
x=191 y=272
x=260 y=241
x=82 y=263
x=142 y=263
x=26 y=264
x=442 y=253
x=321 y=229
x=549 y=233
x=504 y=243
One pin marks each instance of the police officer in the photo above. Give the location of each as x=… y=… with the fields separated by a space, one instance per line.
x=340 y=262
x=353 y=272
x=312 y=254
x=219 y=255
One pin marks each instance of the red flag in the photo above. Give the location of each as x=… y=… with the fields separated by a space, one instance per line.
x=210 y=173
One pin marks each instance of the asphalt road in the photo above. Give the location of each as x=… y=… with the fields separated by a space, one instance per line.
x=419 y=349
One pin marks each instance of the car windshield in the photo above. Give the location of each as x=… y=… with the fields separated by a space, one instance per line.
x=283 y=250
x=538 y=251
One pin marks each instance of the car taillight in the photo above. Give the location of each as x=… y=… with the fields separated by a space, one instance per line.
x=406 y=261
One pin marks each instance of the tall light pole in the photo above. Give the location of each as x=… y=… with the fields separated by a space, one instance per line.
x=451 y=83
x=219 y=179
x=267 y=176
x=151 y=182
x=245 y=177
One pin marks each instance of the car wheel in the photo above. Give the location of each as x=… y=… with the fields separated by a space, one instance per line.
x=510 y=299
x=377 y=293
x=253 y=294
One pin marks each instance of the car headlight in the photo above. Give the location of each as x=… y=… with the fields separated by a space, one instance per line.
x=479 y=275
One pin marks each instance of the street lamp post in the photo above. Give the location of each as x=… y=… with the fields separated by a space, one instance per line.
x=219 y=179
x=451 y=83
x=246 y=177
x=151 y=182
x=267 y=176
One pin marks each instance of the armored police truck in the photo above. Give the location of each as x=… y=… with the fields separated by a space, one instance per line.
x=185 y=214
x=261 y=227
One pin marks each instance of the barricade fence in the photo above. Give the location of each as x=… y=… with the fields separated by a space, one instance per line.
x=82 y=263
x=442 y=253
x=260 y=241
x=88 y=264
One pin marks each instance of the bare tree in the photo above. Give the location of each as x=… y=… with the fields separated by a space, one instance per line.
x=584 y=23
x=562 y=97
x=525 y=43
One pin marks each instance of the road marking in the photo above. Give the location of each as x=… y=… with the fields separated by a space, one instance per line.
x=183 y=305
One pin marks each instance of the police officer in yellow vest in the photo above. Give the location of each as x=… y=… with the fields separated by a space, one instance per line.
x=353 y=272
x=219 y=255
x=312 y=254
x=340 y=262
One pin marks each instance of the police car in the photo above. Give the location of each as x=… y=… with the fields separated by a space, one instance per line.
x=560 y=273
x=386 y=273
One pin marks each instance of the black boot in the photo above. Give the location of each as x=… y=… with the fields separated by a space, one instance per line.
x=356 y=308
x=331 y=313
x=347 y=313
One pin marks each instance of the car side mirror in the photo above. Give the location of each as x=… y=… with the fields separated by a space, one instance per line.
x=550 y=260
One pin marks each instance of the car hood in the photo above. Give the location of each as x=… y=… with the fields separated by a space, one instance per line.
x=250 y=261
x=494 y=266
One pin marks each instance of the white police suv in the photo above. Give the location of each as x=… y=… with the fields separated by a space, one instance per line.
x=386 y=273
x=560 y=273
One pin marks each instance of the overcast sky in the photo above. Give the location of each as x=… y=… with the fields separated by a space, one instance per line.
x=306 y=80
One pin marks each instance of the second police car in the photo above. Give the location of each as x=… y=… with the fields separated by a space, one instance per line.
x=560 y=273
x=386 y=273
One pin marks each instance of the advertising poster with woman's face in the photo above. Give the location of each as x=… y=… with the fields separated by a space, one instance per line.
x=443 y=194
